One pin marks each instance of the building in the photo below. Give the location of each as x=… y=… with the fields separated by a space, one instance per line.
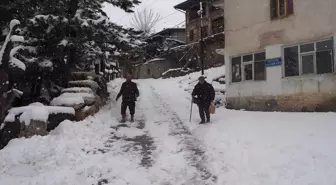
x=212 y=28
x=280 y=54
x=153 y=68
x=158 y=57
x=172 y=33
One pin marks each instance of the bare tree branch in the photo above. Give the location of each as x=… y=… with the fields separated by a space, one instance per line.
x=145 y=20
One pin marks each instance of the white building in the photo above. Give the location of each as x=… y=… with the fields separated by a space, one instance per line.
x=280 y=54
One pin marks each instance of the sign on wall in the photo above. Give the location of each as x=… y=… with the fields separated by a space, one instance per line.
x=273 y=62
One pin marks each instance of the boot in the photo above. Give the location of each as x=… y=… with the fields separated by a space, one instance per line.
x=132 y=118
x=123 y=119
x=202 y=122
x=208 y=120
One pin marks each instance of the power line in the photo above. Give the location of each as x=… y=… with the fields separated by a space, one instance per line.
x=169 y=15
x=179 y=24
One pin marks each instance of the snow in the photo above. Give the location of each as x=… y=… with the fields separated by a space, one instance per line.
x=78 y=89
x=154 y=60
x=129 y=132
x=169 y=70
x=17 y=63
x=35 y=111
x=67 y=101
x=46 y=17
x=188 y=82
x=64 y=42
x=14 y=61
x=81 y=94
x=85 y=82
x=70 y=99
x=13 y=23
x=236 y=148
x=17 y=38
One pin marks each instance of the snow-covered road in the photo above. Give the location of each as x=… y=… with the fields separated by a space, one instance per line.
x=163 y=148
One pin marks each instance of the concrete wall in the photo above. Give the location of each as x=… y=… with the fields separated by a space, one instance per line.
x=179 y=36
x=250 y=29
x=154 y=69
x=277 y=93
x=176 y=34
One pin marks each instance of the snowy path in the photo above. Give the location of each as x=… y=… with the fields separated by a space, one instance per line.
x=176 y=142
x=162 y=148
x=156 y=149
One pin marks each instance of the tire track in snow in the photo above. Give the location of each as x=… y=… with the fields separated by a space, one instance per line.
x=195 y=154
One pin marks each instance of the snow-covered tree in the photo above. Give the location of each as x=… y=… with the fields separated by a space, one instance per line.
x=145 y=20
x=64 y=35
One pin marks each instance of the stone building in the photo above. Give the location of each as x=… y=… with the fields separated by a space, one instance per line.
x=178 y=34
x=213 y=30
x=153 y=68
x=280 y=54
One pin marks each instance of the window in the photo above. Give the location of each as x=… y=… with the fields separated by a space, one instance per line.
x=218 y=25
x=253 y=66
x=191 y=35
x=311 y=58
x=205 y=31
x=236 y=69
x=281 y=8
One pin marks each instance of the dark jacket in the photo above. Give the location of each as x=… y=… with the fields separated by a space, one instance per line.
x=129 y=91
x=205 y=93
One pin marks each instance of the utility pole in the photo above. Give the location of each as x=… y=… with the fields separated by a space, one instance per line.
x=201 y=42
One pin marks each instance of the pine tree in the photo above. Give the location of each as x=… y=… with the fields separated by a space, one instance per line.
x=67 y=35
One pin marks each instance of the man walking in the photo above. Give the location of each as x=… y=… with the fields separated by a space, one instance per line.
x=203 y=94
x=129 y=92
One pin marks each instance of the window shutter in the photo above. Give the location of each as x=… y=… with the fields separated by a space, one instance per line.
x=273 y=9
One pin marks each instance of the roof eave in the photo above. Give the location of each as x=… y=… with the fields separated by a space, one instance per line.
x=185 y=5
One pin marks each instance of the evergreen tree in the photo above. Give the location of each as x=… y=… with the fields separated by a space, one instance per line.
x=66 y=35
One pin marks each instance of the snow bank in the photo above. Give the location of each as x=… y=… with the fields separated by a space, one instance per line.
x=75 y=100
x=72 y=154
x=67 y=101
x=35 y=111
x=188 y=82
x=78 y=90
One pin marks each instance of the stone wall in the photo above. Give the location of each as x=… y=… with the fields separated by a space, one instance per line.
x=300 y=102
